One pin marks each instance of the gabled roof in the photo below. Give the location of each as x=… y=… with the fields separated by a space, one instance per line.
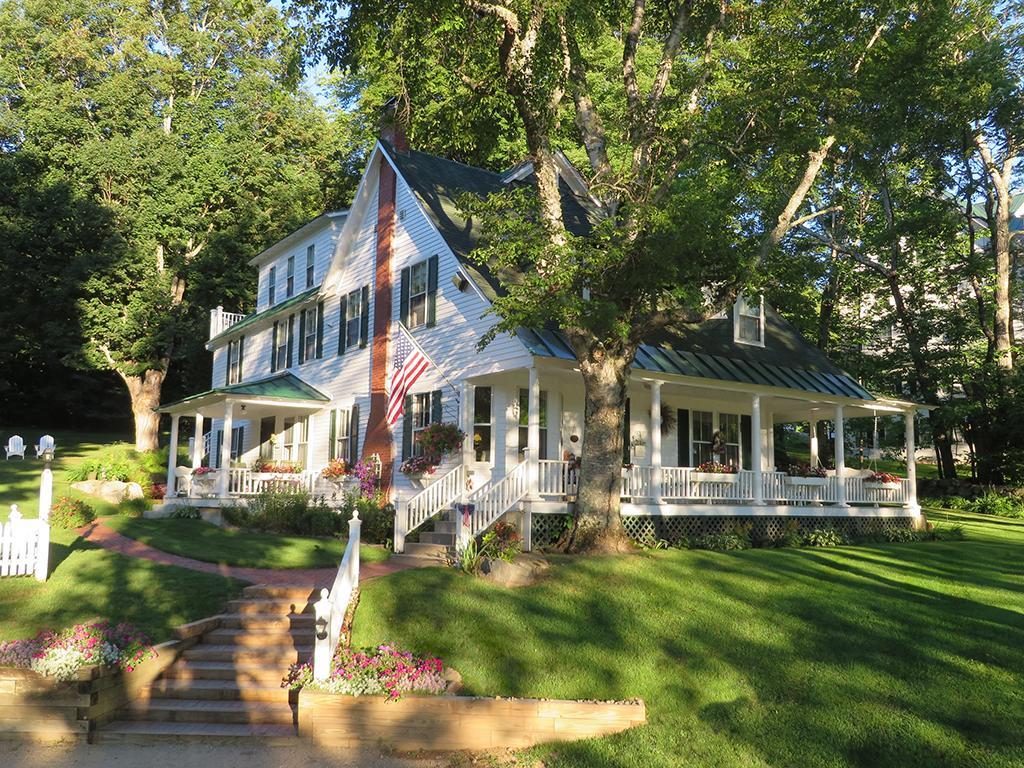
x=297 y=234
x=281 y=386
x=256 y=317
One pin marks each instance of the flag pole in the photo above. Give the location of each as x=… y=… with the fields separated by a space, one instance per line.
x=430 y=360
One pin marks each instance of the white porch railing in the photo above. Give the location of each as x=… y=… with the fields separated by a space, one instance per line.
x=493 y=499
x=220 y=320
x=24 y=546
x=683 y=484
x=439 y=495
x=246 y=482
x=333 y=604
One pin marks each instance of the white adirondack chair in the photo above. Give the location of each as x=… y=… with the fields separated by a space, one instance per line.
x=46 y=442
x=15 y=447
x=182 y=481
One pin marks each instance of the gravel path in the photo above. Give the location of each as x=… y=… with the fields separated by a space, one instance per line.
x=104 y=536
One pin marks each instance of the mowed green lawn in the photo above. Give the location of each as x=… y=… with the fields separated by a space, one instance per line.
x=882 y=655
x=87 y=582
x=203 y=541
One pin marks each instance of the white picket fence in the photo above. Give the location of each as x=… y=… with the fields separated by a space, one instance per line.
x=24 y=546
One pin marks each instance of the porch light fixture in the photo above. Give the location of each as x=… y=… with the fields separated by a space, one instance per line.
x=242 y=409
x=321 y=628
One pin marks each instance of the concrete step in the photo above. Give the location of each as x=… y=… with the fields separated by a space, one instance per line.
x=221 y=690
x=426 y=549
x=206 y=711
x=256 y=621
x=445 y=526
x=252 y=673
x=142 y=733
x=283 y=637
x=267 y=591
x=234 y=653
x=271 y=607
x=433 y=537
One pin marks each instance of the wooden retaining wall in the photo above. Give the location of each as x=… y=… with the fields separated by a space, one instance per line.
x=457 y=722
x=40 y=708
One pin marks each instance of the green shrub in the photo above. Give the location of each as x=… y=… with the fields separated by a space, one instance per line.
x=378 y=520
x=993 y=503
x=824 y=537
x=943 y=532
x=236 y=515
x=124 y=463
x=294 y=513
x=184 y=512
x=720 y=542
x=322 y=521
x=133 y=507
x=898 y=535
x=71 y=513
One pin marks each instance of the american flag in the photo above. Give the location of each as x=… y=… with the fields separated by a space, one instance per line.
x=410 y=363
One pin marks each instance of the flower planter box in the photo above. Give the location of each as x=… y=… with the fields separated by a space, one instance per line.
x=875 y=486
x=815 y=481
x=716 y=477
x=451 y=723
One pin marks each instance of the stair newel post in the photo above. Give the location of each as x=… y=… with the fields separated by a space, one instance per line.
x=355 y=526
x=401 y=521
x=323 y=609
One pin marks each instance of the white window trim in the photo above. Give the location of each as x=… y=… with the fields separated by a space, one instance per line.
x=427 y=413
x=289 y=277
x=737 y=313
x=425 y=263
x=310 y=265
x=272 y=286
x=354 y=299
x=489 y=461
x=311 y=314
x=716 y=425
x=234 y=363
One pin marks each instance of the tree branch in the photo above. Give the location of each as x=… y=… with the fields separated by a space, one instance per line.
x=631 y=43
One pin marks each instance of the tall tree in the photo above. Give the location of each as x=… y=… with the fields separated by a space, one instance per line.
x=704 y=127
x=185 y=122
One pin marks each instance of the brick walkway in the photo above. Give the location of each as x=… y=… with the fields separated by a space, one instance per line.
x=106 y=537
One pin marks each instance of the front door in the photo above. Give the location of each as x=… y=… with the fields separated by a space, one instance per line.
x=267 y=437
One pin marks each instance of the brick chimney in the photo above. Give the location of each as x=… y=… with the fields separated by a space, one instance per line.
x=393 y=120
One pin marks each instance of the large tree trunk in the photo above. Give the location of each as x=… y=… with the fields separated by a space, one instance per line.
x=598 y=519
x=145 y=394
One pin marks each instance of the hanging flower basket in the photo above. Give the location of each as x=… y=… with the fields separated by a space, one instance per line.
x=805 y=474
x=805 y=481
x=882 y=481
x=713 y=472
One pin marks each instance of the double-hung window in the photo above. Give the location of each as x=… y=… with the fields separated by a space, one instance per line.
x=237 y=442
x=748 y=321
x=281 y=345
x=729 y=427
x=417 y=295
x=272 y=286
x=482 y=424
x=309 y=325
x=353 y=318
x=421 y=416
x=703 y=436
x=524 y=423
x=235 y=360
x=295 y=438
x=289 y=285
x=341 y=437
x=716 y=437
x=310 y=258
x=344 y=435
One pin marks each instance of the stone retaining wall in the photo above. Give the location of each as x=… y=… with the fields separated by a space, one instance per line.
x=457 y=722
x=40 y=708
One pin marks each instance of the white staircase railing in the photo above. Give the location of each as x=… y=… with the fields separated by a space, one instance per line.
x=440 y=494
x=333 y=604
x=493 y=499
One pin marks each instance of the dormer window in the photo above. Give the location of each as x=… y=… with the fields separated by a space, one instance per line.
x=748 y=321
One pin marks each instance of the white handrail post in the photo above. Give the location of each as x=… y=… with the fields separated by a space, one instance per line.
x=172 y=459
x=533 y=434
x=812 y=428
x=756 y=460
x=322 y=650
x=657 y=476
x=46 y=487
x=911 y=501
x=42 y=549
x=401 y=522
x=355 y=526
x=840 y=454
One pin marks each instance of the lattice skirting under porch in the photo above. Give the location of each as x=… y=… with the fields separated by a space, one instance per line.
x=645 y=529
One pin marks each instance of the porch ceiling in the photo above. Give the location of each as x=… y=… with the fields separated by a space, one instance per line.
x=284 y=390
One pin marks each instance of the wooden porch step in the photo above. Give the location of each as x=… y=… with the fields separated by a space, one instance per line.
x=433 y=537
x=268 y=591
x=222 y=690
x=142 y=733
x=269 y=606
x=257 y=621
x=242 y=673
x=234 y=653
x=209 y=711
x=281 y=637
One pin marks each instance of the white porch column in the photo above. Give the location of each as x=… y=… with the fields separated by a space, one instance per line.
x=840 y=454
x=197 y=453
x=908 y=420
x=172 y=459
x=225 y=450
x=812 y=427
x=769 y=426
x=656 y=472
x=533 y=434
x=755 y=445
x=466 y=394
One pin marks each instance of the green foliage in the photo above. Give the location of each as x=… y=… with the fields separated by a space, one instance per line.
x=134 y=507
x=184 y=512
x=120 y=462
x=998 y=504
x=378 y=518
x=469 y=558
x=295 y=513
x=502 y=542
x=825 y=536
x=70 y=513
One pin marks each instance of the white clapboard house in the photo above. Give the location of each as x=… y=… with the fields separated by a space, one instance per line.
x=305 y=378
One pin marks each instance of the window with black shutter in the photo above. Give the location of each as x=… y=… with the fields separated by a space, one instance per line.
x=419 y=294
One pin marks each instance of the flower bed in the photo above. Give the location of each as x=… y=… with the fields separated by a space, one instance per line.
x=381 y=671
x=61 y=655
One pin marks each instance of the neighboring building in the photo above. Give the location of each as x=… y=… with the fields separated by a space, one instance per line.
x=305 y=378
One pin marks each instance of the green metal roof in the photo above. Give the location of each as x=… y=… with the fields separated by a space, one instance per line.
x=282 y=386
x=248 y=320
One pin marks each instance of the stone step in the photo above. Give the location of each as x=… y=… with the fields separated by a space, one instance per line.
x=426 y=550
x=222 y=690
x=257 y=621
x=141 y=732
x=269 y=591
x=268 y=656
x=444 y=526
x=433 y=537
x=242 y=673
x=283 y=637
x=271 y=607
x=207 y=711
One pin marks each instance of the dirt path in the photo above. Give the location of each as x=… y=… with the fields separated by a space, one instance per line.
x=104 y=536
